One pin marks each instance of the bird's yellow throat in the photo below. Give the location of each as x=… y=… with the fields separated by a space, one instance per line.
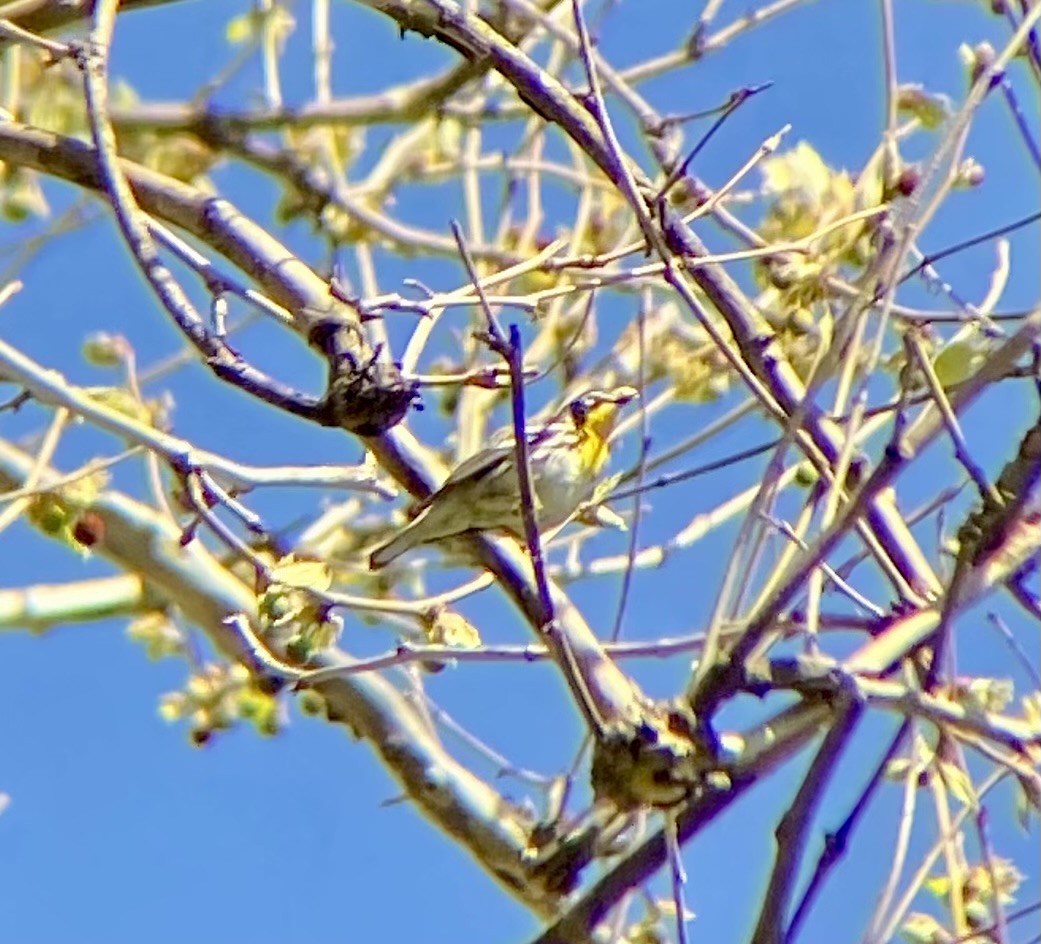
x=592 y=436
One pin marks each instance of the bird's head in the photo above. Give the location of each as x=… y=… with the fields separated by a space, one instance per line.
x=596 y=411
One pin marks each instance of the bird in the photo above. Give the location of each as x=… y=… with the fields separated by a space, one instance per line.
x=483 y=492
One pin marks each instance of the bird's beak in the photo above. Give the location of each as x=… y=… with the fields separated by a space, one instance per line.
x=622 y=395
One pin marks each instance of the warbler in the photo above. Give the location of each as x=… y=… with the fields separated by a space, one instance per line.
x=483 y=492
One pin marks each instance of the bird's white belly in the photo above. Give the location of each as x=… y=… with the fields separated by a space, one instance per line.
x=561 y=488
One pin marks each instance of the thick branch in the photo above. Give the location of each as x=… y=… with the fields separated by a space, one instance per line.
x=138 y=541
x=364 y=394
x=475 y=39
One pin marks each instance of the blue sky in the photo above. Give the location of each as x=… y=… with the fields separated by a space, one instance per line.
x=118 y=831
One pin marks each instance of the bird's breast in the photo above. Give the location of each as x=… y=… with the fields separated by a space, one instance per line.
x=564 y=481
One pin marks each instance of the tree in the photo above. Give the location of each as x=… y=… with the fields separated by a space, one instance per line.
x=781 y=668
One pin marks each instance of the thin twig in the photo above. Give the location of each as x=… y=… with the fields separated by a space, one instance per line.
x=512 y=352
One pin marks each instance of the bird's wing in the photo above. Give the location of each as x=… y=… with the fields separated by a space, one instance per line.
x=489 y=460
x=478 y=466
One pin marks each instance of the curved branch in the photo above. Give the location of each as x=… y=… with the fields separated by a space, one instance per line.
x=474 y=38
x=293 y=284
x=364 y=394
x=48 y=16
x=139 y=541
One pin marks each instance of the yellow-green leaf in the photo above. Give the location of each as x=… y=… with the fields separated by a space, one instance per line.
x=924 y=929
x=930 y=108
x=448 y=628
x=1027 y=800
x=958 y=361
x=938 y=885
x=105 y=350
x=240 y=29
x=302 y=574
x=958 y=783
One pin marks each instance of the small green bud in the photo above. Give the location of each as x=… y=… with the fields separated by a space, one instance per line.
x=105 y=350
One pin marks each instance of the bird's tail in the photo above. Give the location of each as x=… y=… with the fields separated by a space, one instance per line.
x=407 y=538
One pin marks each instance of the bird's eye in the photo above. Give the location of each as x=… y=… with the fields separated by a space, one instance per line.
x=579 y=411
